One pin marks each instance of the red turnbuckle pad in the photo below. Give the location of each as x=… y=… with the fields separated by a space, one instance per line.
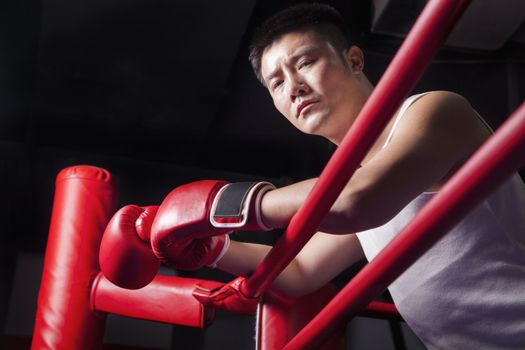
x=167 y=299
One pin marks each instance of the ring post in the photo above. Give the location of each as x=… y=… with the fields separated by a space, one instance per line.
x=85 y=199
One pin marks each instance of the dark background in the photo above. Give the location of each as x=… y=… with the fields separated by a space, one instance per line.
x=161 y=93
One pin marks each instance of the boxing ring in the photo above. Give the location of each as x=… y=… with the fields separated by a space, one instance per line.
x=75 y=297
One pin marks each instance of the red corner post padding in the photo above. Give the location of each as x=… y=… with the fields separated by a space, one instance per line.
x=166 y=299
x=279 y=319
x=85 y=198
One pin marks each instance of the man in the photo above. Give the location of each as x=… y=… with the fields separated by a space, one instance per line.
x=467 y=292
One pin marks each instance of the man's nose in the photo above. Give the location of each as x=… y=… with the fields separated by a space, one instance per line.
x=298 y=88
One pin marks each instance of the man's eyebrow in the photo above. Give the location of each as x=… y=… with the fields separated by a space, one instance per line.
x=294 y=58
x=305 y=50
x=273 y=74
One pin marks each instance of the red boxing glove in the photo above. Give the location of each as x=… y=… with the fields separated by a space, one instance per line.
x=228 y=297
x=192 y=254
x=204 y=209
x=125 y=255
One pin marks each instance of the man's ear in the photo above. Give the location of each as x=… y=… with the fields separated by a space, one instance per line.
x=355 y=58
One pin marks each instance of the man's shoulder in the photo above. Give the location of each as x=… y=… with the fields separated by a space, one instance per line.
x=442 y=100
x=442 y=111
x=446 y=120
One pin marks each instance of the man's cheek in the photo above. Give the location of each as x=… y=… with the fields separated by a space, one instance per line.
x=282 y=107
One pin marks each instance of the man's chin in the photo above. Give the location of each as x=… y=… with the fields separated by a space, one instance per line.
x=314 y=132
x=312 y=125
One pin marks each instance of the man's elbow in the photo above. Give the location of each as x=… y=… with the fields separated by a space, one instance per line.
x=355 y=213
x=295 y=282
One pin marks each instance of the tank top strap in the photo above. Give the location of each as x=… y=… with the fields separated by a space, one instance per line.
x=407 y=103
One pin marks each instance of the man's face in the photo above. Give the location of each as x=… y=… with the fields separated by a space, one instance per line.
x=311 y=84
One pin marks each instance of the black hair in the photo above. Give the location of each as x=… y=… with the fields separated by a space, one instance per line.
x=322 y=18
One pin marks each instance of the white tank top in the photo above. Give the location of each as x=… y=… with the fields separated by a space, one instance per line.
x=468 y=290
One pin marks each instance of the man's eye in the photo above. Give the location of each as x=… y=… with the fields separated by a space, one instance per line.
x=306 y=63
x=276 y=84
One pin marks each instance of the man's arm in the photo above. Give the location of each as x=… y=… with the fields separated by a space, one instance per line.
x=320 y=260
x=436 y=134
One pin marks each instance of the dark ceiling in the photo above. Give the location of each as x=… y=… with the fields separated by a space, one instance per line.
x=170 y=80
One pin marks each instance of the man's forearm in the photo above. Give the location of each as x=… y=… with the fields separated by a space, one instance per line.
x=242 y=258
x=320 y=260
x=280 y=205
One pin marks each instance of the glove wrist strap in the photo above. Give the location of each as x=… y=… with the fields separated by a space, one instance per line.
x=235 y=202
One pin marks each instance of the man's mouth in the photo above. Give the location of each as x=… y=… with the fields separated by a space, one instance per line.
x=304 y=105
